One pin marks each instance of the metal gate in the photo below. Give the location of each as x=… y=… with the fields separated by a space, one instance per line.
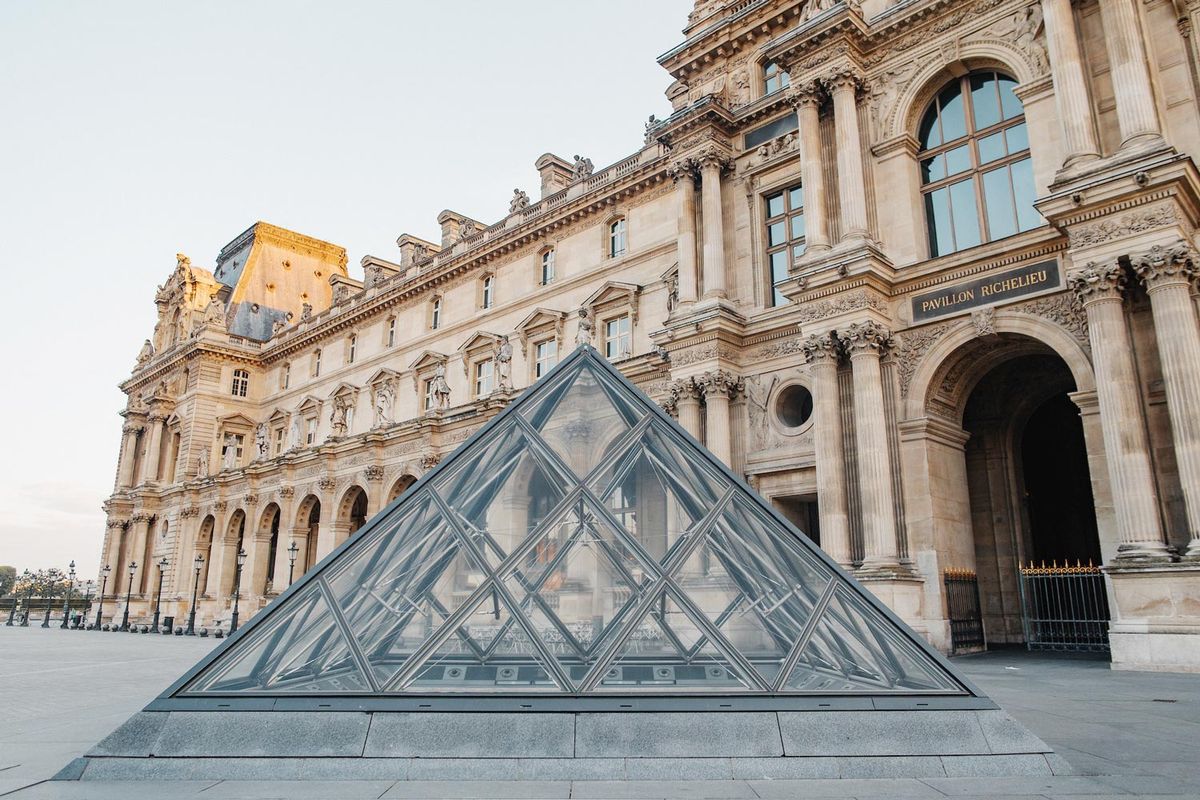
x=1066 y=607
x=962 y=608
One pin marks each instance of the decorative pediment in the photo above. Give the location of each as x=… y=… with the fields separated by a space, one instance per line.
x=428 y=360
x=480 y=341
x=382 y=375
x=614 y=295
x=278 y=416
x=344 y=389
x=540 y=321
x=309 y=406
x=236 y=421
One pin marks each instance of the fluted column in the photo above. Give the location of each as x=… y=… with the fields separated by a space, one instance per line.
x=683 y=172
x=852 y=188
x=822 y=353
x=717 y=387
x=1168 y=276
x=1070 y=83
x=687 y=402
x=866 y=342
x=117 y=529
x=129 y=433
x=1136 y=115
x=712 y=163
x=1126 y=446
x=139 y=528
x=807 y=100
x=153 y=448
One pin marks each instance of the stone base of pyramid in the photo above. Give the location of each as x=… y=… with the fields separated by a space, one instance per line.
x=385 y=745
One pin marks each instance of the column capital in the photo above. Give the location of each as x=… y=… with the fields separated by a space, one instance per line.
x=1097 y=282
x=867 y=338
x=117 y=522
x=711 y=157
x=822 y=348
x=684 y=389
x=718 y=383
x=1162 y=266
x=843 y=77
x=806 y=94
x=682 y=169
x=131 y=427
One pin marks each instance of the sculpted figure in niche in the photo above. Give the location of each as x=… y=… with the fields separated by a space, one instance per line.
x=758 y=393
x=741 y=88
x=202 y=464
x=261 y=448
x=229 y=457
x=503 y=356
x=440 y=388
x=337 y=417
x=214 y=313
x=294 y=433
x=385 y=401
x=584 y=334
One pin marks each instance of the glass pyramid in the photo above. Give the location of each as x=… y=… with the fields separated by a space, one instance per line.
x=580 y=544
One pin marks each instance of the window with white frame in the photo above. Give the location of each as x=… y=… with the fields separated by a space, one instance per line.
x=351 y=348
x=617 y=241
x=487 y=291
x=391 y=332
x=280 y=432
x=285 y=376
x=241 y=383
x=485 y=373
x=435 y=313
x=545 y=357
x=310 y=430
x=784 y=212
x=547 y=272
x=618 y=338
x=316 y=364
x=774 y=78
x=427 y=398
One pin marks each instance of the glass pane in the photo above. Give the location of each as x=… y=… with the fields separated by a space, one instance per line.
x=797 y=252
x=954 y=124
x=929 y=134
x=648 y=503
x=933 y=169
x=985 y=101
x=1025 y=192
x=776 y=233
x=777 y=297
x=775 y=205
x=1018 y=138
x=798 y=226
x=997 y=194
x=1009 y=103
x=779 y=266
x=991 y=148
x=966 y=216
x=854 y=648
x=300 y=649
x=796 y=198
x=958 y=160
x=937 y=217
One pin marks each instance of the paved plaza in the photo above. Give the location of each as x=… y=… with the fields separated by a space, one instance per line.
x=1123 y=734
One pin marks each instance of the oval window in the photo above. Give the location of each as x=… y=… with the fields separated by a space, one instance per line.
x=794 y=406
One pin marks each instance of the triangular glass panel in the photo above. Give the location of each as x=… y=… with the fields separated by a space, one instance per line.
x=579 y=544
x=302 y=651
x=583 y=417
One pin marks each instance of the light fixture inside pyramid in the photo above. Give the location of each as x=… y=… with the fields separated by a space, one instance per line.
x=580 y=544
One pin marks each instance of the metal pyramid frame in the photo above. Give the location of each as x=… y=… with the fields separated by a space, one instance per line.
x=579 y=551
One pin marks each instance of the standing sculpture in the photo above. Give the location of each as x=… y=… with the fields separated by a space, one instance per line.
x=503 y=356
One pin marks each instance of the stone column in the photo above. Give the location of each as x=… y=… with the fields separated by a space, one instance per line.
x=683 y=172
x=687 y=401
x=1126 y=448
x=117 y=529
x=852 y=188
x=139 y=528
x=1070 y=83
x=1168 y=276
x=822 y=354
x=1127 y=61
x=807 y=100
x=866 y=343
x=129 y=437
x=717 y=387
x=712 y=163
x=153 y=448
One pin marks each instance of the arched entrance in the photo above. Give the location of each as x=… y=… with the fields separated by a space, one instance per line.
x=400 y=487
x=203 y=548
x=352 y=511
x=235 y=536
x=308 y=526
x=267 y=546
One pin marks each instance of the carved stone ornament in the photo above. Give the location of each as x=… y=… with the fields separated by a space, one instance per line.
x=286 y=492
x=867 y=337
x=1098 y=282
x=373 y=472
x=326 y=484
x=582 y=168
x=306 y=312
x=189 y=511
x=984 y=320
x=823 y=348
x=250 y=499
x=1160 y=265
x=719 y=382
x=684 y=389
x=682 y=168
x=220 y=505
x=116 y=523
x=146 y=353
x=520 y=201
x=1129 y=224
x=758 y=396
x=429 y=460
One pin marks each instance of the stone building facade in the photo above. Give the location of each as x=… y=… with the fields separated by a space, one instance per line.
x=924 y=272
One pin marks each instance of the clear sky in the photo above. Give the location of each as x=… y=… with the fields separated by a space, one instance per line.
x=130 y=131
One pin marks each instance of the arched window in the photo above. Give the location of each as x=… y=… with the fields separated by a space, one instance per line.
x=435 y=313
x=617 y=243
x=547 y=273
x=241 y=383
x=976 y=176
x=487 y=291
x=774 y=78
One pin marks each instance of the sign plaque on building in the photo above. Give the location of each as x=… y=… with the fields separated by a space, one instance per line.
x=1013 y=283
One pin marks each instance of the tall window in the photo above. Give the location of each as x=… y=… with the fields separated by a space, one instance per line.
x=279 y=434
x=435 y=313
x=241 y=383
x=547 y=274
x=285 y=376
x=616 y=238
x=487 y=291
x=785 y=236
x=484 y=374
x=351 y=348
x=310 y=430
x=427 y=394
x=237 y=444
x=545 y=357
x=316 y=364
x=618 y=341
x=976 y=176
x=391 y=331
x=774 y=78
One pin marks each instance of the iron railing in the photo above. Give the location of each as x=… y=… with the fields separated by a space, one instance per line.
x=963 y=611
x=1066 y=607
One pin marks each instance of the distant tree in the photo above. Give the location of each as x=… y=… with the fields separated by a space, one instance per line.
x=50 y=582
x=8 y=577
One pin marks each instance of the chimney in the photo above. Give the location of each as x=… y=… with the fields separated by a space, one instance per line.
x=555 y=172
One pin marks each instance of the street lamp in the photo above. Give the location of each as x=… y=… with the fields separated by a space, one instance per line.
x=87 y=604
x=67 y=604
x=49 y=600
x=28 y=597
x=13 y=608
x=103 y=586
x=162 y=565
x=199 y=564
x=293 y=549
x=237 y=583
x=128 y=592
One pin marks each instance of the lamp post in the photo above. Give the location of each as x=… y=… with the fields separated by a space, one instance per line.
x=49 y=598
x=12 y=610
x=162 y=565
x=292 y=551
x=128 y=593
x=28 y=597
x=67 y=603
x=104 y=573
x=237 y=583
x=198 y=565
x=87 y=604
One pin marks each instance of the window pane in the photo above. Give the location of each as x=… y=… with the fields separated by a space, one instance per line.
x=997 y=194
x=1018 y=138
x=930 y=135
x=776 y=234
x=991 y=148
x=796 y=198
x=775 y=205
x=985 y=100
x=1009 y=103
x=798 y=226
x=958 y=160
x=966 y=215
x=779 y=266
x=1025 y=192
x=937 y=215
x=798 y=251
x=933 y=169
x=954 y=125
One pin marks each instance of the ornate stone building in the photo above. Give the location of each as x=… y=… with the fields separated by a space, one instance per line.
x=924 y=272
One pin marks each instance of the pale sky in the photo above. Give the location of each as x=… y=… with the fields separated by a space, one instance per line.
x=130 y=131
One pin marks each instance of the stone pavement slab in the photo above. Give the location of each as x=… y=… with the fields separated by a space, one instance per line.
x=477 y=790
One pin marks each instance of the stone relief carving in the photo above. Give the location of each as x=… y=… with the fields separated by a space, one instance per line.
x=262 y=450
x=1126 y=225
x=383 y=400
x=146 y=353
x=440 y=389
x=326 y=484
x=1063 y=310
x=777 y=146
x=583 y=335
x=503 y=356
x=582 y=168
x=202 y=464
x=306 y=312
x=702 y=354
x=229 y=456
x=758 y=396
x=338 y=416
x=520 y=201
x=852 y=301
x=373 y=472
x=910 y=347
x=984 y=320
x=884 y=92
